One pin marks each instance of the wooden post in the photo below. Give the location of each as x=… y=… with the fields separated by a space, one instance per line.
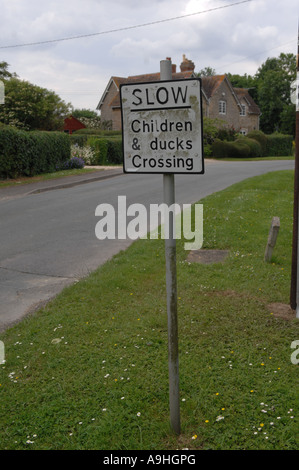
x=274 y=229
x=294 y=277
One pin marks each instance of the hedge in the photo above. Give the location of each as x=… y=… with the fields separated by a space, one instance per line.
x=224 y=149
x=279 y=145
x=255 y=144
x=261 y=138
x=107 y=150
x=100 y=148
x=25 y=153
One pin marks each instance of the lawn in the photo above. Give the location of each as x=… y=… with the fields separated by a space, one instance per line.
x=45 y=177
x=90 y=369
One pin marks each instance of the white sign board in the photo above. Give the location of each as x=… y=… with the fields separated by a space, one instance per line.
x=162 y=127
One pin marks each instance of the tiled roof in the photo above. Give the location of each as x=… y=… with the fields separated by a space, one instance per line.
x=210 y=84
x=252 y=106
x=150 y=77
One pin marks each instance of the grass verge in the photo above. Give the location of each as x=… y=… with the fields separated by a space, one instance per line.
x=256 y=159
x=90 y=370
x=45 y=176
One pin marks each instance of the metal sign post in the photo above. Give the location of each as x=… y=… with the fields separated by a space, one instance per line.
x=162 y=133
x=171 y=288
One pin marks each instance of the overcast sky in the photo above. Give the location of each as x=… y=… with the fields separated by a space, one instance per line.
x=236 y=39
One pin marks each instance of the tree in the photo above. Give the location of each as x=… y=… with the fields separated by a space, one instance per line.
x=206 y=72
x=245 y=81
x=31 y=107
x=274 y=80
x=4 y=73
x=85 y=113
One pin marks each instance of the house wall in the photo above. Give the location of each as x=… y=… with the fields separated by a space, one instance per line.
x=232 y=118
x=107 y=113
x=116 y=119
x=249 y=122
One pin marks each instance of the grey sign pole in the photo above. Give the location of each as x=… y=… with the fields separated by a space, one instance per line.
x=297 y=176
x=171 y=286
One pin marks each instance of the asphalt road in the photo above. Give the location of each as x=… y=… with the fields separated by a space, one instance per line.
x=48 y=239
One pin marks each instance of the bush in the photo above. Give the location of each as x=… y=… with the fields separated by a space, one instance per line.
x=85 y=153
x=261 y=138
x=240 y=150
x=25 y=153
x=254 y=146
x=220 y=149
x=98 y=132
x=79 y=140
x=279 y=145
x=274 y=145
x=100 y=149
x=115 y=151
x=72 y=163
x=108 y=151
x=224 y=149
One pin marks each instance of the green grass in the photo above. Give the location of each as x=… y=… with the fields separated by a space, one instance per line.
x=90 y=370
x=255 y=159
x=45 y=176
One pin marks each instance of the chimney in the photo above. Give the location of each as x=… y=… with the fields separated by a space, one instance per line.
x=172 y=65
x=187 y=64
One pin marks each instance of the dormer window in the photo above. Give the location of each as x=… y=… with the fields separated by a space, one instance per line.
x=243 y=110
x=222 y=107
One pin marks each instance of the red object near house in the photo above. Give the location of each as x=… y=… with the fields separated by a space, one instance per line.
x=72 y=124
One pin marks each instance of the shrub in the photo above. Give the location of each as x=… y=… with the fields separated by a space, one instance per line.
x=261 y=138
x=72 y=163
x=220 y=149
x=115 y=151
x=279 y=145
x=254 y=146
x=30 y=153
x=100 y=148
x=240 y=150
x=79 y=140
x=224 y=149
x=85 y=153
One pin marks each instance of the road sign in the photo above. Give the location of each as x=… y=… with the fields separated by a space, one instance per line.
x=162 y=127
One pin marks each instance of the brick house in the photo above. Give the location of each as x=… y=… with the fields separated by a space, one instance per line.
x=234 y=106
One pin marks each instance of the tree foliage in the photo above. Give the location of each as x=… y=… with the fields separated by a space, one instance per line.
x=274 y=80
x=4 y=72
x=270 y=88
x=29 y=106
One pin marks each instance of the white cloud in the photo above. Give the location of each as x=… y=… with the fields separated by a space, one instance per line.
x=236 y=39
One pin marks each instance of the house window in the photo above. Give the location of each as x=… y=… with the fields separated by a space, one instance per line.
x=222 y=107
x=243 y=110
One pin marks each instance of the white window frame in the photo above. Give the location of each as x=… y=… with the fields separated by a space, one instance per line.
x=243 y=110
x=222 y=107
